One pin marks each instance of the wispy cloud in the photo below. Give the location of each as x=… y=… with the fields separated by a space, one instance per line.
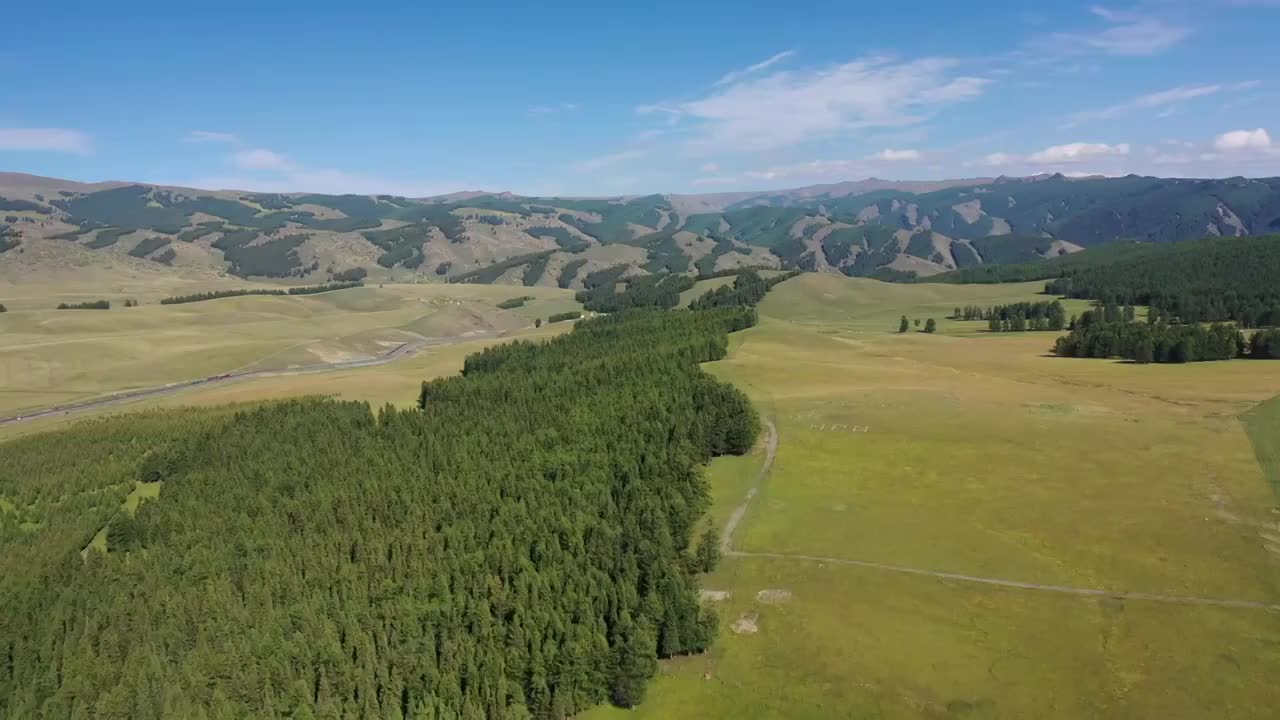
x=1126 y=33
x=45 y=139
x=1077 y=152
x=548 y=109
x=1057 y=155
x=891 y=155
x=789 y=108
x=762 y=65
x=603 y=161
x=208 y=136
x=261 y=159
x=1164 y=99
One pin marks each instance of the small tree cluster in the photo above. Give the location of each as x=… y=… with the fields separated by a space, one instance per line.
x=93 y=305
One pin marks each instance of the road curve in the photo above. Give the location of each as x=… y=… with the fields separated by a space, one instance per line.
x=398 y=352
x=771 y=450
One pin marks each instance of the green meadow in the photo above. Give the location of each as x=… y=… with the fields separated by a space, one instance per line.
x=976 y=453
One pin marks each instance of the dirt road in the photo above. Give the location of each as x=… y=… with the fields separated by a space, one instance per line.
x=396 y=353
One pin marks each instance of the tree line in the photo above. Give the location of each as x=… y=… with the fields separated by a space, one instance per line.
x=219 y=294
x=748 y=289
x=661 y=291
x=513 y=303
x=88 y=305
x=1210 y=280
x=1017 y=317
x=523 y=544
x=1111 y=332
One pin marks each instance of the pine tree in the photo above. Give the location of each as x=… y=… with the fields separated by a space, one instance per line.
x=707 y=555
x=635 y=662
x=1145 y=351
x=904 y=325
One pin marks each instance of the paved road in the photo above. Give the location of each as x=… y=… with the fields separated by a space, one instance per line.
x=396 y=353
x=771 y=450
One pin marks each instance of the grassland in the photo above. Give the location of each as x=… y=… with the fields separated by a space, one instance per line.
x=963 y=451
x=51 y=358
x=977 y=453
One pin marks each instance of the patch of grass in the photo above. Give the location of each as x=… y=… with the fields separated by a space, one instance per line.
x=1263 y=426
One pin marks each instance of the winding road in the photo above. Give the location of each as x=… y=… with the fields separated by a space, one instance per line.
x=771 y=451
x=398 y=352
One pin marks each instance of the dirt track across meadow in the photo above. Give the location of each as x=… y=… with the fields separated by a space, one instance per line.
x=771 y=451
x=399 y=352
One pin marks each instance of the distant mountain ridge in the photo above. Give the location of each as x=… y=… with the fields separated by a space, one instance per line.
x=868 y=227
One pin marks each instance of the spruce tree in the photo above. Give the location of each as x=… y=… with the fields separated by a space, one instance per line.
x=707 y=555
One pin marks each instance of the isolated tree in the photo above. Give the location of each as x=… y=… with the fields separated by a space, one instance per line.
x=3 y=308
x=537 y=323
x=931 y=326
x=917 y=322
x=904 y=325
x=707 y=556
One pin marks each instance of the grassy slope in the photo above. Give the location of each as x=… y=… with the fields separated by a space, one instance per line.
x=983 y=456
x=49 y=357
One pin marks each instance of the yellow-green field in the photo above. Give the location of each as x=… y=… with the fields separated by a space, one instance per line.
x=979 y=454
x=54 y=357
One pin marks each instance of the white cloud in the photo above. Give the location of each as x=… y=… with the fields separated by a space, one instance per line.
x=603 y=161
x=891 y=155
x=1127 y=34
x=50 y=139
x=1077 y=152
x=1236 y=140
x=206 y=136
x=261 y=159
x=792 y=107
x=762 y=65
x=1057 y=155
x=999 y=159
x=1163 y=99
x=710 y=168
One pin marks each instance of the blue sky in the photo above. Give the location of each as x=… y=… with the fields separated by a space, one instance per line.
x=590 y=99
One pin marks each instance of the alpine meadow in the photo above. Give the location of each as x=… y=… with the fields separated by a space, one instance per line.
x=518 y=362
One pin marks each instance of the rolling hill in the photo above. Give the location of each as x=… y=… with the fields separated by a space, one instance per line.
x=866 y=228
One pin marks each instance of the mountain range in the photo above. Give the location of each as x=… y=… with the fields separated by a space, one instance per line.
x=871 y=227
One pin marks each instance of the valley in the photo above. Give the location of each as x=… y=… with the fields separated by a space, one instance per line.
x=937 y=520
